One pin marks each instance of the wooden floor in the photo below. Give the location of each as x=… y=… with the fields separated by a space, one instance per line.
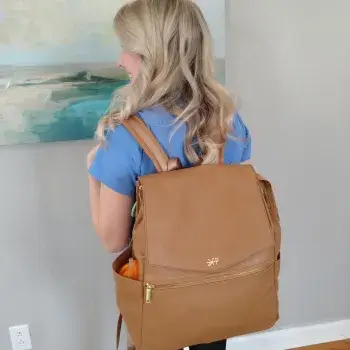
x=340 y=345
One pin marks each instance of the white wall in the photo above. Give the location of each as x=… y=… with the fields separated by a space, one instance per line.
x=289 y=63
x=53 y=273
x=214 y=12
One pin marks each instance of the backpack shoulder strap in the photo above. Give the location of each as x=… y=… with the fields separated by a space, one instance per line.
x=148 y=142
x=222 y=155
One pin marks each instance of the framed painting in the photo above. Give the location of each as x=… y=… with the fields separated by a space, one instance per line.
x=57 y=76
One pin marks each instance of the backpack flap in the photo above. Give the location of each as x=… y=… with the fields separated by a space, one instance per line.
x=205 y=218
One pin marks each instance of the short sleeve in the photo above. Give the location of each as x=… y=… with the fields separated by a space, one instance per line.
x=117 y=163
x=243 y=133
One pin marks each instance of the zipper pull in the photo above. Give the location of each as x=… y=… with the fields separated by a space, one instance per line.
x=148 y=296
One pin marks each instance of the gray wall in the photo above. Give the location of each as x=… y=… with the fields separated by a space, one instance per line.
x=214 y=12
x=289 y=62
x=53 y=273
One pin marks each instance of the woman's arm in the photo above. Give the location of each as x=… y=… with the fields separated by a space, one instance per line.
x=111 y=216
x=110 y=212
x=94 y=191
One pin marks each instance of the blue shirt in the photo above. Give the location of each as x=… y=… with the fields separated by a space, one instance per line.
x=121 y=161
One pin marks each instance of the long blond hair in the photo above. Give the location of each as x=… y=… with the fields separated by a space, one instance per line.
x=177 y=72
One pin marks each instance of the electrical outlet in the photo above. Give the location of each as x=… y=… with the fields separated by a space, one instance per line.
x=20 y=337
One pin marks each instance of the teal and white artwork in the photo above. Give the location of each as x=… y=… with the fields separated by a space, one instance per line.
x=57 y=68
x=57 y=103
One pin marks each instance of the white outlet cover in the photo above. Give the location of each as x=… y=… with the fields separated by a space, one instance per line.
x=20 y=337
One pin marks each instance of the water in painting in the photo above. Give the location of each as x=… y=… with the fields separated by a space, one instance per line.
x=56 y=84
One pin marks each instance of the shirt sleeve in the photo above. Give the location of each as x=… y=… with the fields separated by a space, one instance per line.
x=117 y=163
x=242 y=132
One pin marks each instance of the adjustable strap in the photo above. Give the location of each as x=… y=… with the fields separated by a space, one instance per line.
x=119 y=329
x=148 y=142
x=119 y=332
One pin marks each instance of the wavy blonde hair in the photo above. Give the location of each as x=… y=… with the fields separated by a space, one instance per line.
x=177 y=72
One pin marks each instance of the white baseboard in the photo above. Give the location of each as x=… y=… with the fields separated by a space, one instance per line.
x=284 y=339
x=293 y=337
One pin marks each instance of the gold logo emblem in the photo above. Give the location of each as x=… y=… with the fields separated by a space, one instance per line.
x=213 y=262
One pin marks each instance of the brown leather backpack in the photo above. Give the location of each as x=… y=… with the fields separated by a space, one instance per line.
x=207 y=240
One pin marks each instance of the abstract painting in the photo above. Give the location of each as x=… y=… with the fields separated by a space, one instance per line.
x=57 y=70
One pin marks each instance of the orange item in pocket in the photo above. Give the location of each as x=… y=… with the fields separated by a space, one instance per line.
x=130 y=270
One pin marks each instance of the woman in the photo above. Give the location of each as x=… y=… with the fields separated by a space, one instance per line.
x=167 y=52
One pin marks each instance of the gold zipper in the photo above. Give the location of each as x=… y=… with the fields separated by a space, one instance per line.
x=150 y=287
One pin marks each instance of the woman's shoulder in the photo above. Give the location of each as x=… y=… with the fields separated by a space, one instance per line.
x=161 y=124
x=239 y=127
x=161 y=121
x=156 y=117
x=159 y=118
x=238 y=146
